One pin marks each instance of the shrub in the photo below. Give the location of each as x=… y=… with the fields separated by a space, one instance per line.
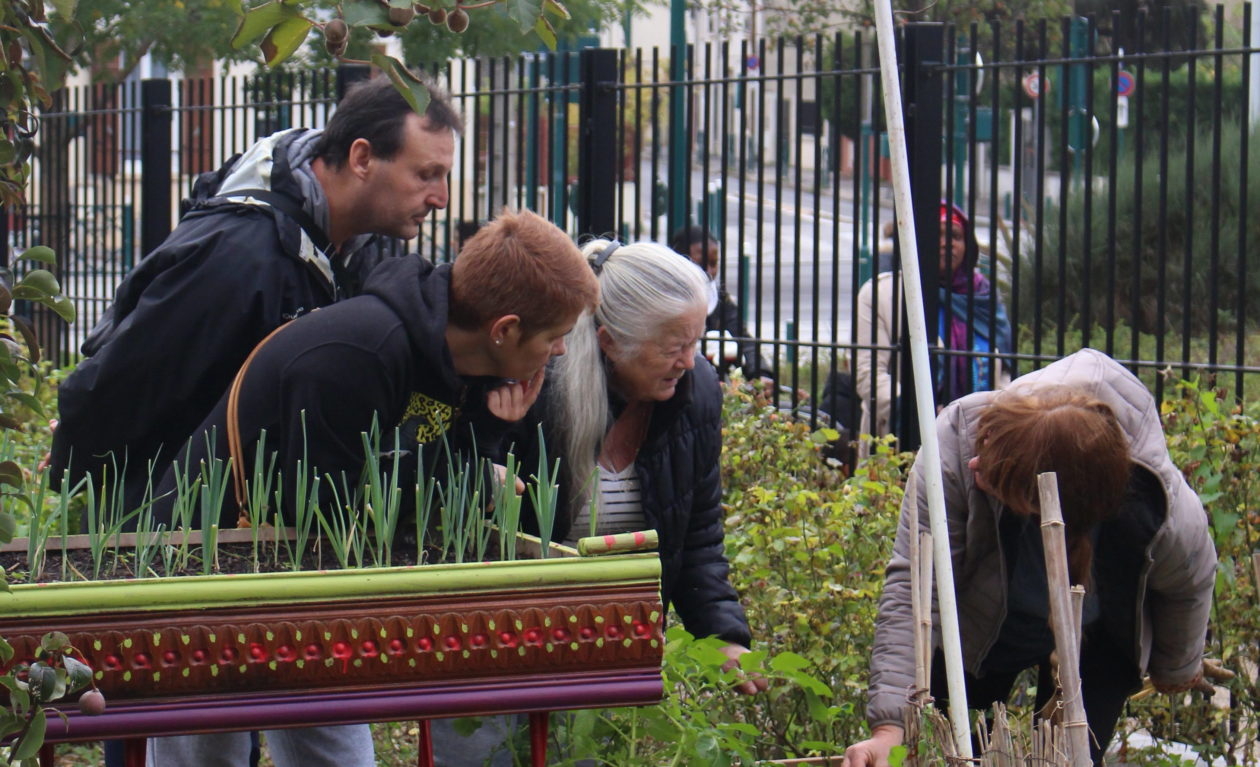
x=1179 y=272
x=807 y=547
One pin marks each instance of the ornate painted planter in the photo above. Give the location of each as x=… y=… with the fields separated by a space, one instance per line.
x=229 y=652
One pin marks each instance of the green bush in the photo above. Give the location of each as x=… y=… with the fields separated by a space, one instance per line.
x=808 y=547
x=1076 y=265
x=1218 y=448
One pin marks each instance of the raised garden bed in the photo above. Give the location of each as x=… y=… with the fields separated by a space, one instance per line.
x=263 y=650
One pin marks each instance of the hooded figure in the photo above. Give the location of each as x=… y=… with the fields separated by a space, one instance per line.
x=971 y=320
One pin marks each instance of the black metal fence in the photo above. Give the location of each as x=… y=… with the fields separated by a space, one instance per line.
x=1109 y=189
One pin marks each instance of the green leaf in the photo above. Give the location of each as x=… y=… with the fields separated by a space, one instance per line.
x=753 y=660
x=52 y=62
x=257 y=21
x=42 y=681
x=63 y=307
x=555 y=8
x=407 y=84
x=11 y=474
x=6 y=649
x=55 y=642
x=38 y=283
x=30 y=401
x=285 y=38
x=41 y=253
x=28 y=337
x=364 y=13
x=29 y=745
x=897 y=756
x=65 y=8
x=546 y=32
x=9 y=722
x=525 y=12
x=80 y=673
x=788 y=661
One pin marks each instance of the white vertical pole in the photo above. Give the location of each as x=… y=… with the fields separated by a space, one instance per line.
x=929 y=453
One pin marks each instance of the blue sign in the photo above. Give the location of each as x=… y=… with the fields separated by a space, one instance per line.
x=1125 y=83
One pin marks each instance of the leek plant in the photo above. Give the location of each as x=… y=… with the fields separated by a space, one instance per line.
x=258 y=489
x=424 y=488
x=543 y=494
x=507 y=511
x=381 y=495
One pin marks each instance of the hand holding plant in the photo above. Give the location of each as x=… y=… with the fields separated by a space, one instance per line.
x=752 y=683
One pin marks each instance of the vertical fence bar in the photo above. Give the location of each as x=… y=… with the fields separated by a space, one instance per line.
x=155 y=199
x=1160 y=325
x=1112 y=173
x=1087 y=252
x=597 y=153
x=1139 y=150
x=924 y=52
x=1244 y=162
x=1214 y=254
x=1187 y=282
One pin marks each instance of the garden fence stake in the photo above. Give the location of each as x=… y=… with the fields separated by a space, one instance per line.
x=1063 y=621
x=929 y=453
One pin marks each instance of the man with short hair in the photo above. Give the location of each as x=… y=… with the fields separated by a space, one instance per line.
x=427 y=350
x=279 y=231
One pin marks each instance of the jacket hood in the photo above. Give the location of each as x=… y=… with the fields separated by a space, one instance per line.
x=281 y=163
x=423 y=312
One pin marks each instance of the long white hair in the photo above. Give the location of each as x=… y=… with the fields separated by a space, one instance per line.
x=642 y=286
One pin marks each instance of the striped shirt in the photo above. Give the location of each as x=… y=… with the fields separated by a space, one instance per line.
x=620 y=506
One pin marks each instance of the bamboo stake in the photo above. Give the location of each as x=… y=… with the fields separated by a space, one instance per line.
x=1078 y=613
x=1062 y=620
x=929 y=453
x=916 y=582
x=924 y=636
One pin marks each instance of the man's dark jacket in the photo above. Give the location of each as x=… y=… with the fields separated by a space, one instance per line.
x=184 y=320
x=680 y=481
x=317 y=384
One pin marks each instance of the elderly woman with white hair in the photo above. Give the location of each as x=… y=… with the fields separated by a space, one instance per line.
x=635 y=414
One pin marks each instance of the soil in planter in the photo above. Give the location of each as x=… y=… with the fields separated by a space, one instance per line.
x=231 y=558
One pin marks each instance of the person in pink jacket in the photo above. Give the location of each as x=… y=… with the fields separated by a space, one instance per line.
x=1137 y=539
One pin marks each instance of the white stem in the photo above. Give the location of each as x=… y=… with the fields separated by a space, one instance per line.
x=929 y=453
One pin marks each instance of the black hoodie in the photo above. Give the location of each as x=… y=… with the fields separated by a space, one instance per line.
x=317 y=384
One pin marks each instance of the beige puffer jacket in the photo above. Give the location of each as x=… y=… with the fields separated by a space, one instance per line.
x=1174 y=590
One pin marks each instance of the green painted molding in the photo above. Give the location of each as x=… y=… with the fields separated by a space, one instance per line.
x=203 y=592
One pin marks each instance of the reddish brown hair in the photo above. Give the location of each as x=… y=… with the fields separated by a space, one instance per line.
x=1025 y=433
x=522 y=264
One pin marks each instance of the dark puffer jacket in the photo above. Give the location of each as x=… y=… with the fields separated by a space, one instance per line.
x=184 y=320
x=316 y=385
x=680 y=480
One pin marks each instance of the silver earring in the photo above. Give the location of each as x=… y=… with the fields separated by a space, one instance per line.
x=498 y=342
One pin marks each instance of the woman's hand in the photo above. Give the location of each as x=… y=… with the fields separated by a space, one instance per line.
x=751 y=685
x=511 y=401
x=874 y=752
x=500 y=473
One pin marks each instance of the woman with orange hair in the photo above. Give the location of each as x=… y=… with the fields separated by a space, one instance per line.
x=1137 y=540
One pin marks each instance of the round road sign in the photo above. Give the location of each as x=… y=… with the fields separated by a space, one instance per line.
x=1125 y=83
x=1035 y=86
